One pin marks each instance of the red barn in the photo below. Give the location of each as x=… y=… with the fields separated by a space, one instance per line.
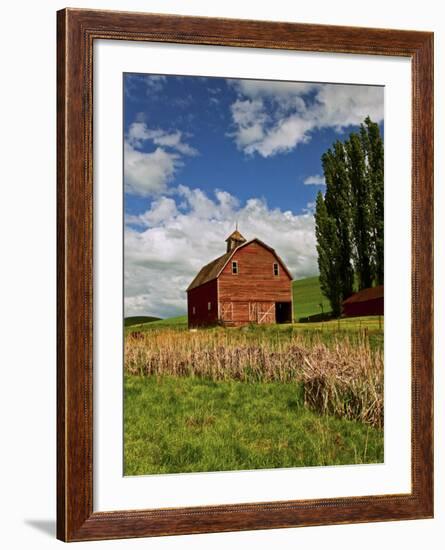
x=366 y=302
x=248 y=284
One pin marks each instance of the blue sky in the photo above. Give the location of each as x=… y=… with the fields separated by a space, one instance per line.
x=202 y=153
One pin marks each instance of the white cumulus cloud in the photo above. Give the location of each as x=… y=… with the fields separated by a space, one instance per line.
x=249 y=118
x=265 y=88
x=148 y=173
x=274 y=117
x=315 y=180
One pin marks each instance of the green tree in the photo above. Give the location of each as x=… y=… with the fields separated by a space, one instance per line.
x=372 y=144
x=361 y=210
x=349 y=217
x=328 y=251
x=338 y=206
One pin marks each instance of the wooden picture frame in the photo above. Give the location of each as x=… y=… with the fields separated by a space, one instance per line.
x=77 y=31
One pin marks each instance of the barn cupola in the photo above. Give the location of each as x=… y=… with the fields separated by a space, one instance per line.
x=234 y=240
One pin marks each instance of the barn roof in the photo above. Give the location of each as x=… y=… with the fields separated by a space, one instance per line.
x=365 y=295
x=210 y=271
x=213 y=269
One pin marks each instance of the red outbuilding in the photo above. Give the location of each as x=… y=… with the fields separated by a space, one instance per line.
x=366 y=302
x=248 y=284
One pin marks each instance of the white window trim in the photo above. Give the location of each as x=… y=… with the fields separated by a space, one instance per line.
x=277 y=274
x=235 y=264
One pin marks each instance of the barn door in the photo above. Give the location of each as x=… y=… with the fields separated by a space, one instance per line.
x=253 y=312
x=266 y=312
x=226 y=311
x=262 y=312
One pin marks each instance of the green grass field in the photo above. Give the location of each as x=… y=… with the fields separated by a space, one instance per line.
x=196 y=424
x=139 y=320
x=172 y=322
x=307 y=298
x=190 y=424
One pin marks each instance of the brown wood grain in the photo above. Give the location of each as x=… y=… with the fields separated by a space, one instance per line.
x=76 y=32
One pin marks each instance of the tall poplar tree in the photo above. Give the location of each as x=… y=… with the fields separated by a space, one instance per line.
x=328 y=248
x=338 y=206
x=361 y=211
x=372 y=144
x=349 y=217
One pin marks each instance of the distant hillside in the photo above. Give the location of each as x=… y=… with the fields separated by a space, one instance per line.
x=307 y=298
x=173 y=322
x=130 y=321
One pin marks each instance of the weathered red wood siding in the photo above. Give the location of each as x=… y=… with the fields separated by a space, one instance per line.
x=254 y=283
x=199 y=298
x=360 y=309
x=239 y=312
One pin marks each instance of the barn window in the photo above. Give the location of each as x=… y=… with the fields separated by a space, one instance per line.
x=193 y=310
x=235 y=268
x=276 y=271
x=209 y=305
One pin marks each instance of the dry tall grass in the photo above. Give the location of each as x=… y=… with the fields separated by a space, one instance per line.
x=345 y=382
x=343 y=378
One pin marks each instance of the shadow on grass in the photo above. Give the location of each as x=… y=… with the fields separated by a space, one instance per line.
x=317 y=318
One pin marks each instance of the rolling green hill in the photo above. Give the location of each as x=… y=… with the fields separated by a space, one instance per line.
x=139 y=320
x=307 y=298
x=173 y=322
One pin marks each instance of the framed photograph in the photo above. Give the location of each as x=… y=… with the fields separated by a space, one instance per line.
x=245 y=230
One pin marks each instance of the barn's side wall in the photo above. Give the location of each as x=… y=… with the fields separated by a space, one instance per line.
x=199 y=298
x=255 y=281
x=361 y=309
